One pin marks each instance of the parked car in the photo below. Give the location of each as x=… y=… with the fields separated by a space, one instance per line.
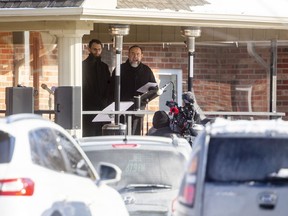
x=151 y=166
x=237 y=168
x=44 y=172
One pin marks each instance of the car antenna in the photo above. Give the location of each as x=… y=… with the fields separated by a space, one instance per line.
x=125 y=136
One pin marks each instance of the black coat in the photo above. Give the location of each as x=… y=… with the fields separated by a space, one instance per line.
x=96 y=84
x=163 y=131
x=132 y=79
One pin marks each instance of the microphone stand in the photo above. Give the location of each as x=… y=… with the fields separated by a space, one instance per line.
x=173 y=92
x=147 y=120
x=50 y=104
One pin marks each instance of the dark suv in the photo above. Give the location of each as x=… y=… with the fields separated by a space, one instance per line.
x=237 y=168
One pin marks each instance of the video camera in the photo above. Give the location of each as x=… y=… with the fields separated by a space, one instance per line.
x=183 y=117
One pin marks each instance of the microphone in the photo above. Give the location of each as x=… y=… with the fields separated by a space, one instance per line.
x=53 y=88
x=44 y=86
x=161 y=90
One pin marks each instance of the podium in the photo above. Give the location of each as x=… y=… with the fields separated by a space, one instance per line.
x=126 y=113
x=149 y=96
x=108 y=115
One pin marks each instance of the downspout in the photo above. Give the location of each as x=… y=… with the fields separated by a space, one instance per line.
x=273 y=76
x=251 y=52
x=272 y=68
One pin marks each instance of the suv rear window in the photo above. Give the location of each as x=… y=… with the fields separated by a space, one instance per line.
x=143 y=166
x=246 y=159
x=6 y=147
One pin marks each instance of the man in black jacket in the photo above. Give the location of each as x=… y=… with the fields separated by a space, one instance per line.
x=161 y=125
x=134 y=74
x=96 y=81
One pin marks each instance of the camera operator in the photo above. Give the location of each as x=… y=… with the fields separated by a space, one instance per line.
x=184 y=117
x=161 y=125
x=189 y=108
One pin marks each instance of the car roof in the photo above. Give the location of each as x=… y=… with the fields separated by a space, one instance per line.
x=146 y=142
x=257 y=128
x=24 y=122
x=123 y=139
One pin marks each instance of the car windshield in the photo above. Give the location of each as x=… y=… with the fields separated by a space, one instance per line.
x=6 y=147
x=247 y=159
x=143 y=168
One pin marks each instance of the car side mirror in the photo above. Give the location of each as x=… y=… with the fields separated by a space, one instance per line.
x=109 y=173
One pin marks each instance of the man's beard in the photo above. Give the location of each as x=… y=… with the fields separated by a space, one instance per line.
x=134 y=64
x=97 y=57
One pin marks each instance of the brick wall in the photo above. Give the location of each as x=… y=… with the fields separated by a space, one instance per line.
x=6 y=65
x=282 y=81
x=218 y=72
x=15 y=70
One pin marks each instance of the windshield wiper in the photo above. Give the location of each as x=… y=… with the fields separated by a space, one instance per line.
x=148 y=186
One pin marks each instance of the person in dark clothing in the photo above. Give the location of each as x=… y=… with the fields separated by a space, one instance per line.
x=161 y=125
x=96 y=81
x=133 y=75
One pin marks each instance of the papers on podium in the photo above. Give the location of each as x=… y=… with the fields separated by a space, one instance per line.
x=145 y=88
x=109 y=117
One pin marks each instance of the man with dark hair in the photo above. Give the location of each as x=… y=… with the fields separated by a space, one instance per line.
x=161 y=125
x=134 y=74
x=96 y=83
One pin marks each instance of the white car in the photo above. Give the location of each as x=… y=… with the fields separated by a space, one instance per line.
x=237 y=168
x=43 y=172
x=152 y=169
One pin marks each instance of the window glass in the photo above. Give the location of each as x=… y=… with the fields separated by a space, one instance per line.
x=45 y=150
x=246 y=159
x=6 y=147
x=76 y=164
x=143 y=166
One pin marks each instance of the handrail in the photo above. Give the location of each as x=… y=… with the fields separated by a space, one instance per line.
x=36 y=111
x=223 y=113
x=138 y=112
x=207 y=113
x=271 y=115
x=150 y=112
x=218 y=113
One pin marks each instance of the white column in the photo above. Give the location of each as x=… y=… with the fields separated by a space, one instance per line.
x=70 y=61
x=70 y=56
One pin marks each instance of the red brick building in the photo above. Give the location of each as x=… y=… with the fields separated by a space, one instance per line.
x=218 y=71
x=234 y=56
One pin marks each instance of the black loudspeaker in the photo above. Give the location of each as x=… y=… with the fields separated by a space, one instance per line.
x=19 y=100
x=68 y=106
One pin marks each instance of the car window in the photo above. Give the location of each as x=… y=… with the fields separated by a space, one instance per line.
x=245 y=159
x=76 y=164
x=7 y=144
x=45 y=150
x=143 y=166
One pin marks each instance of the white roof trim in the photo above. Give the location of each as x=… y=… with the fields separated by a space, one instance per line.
x=106 y=4
x=145 y=17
